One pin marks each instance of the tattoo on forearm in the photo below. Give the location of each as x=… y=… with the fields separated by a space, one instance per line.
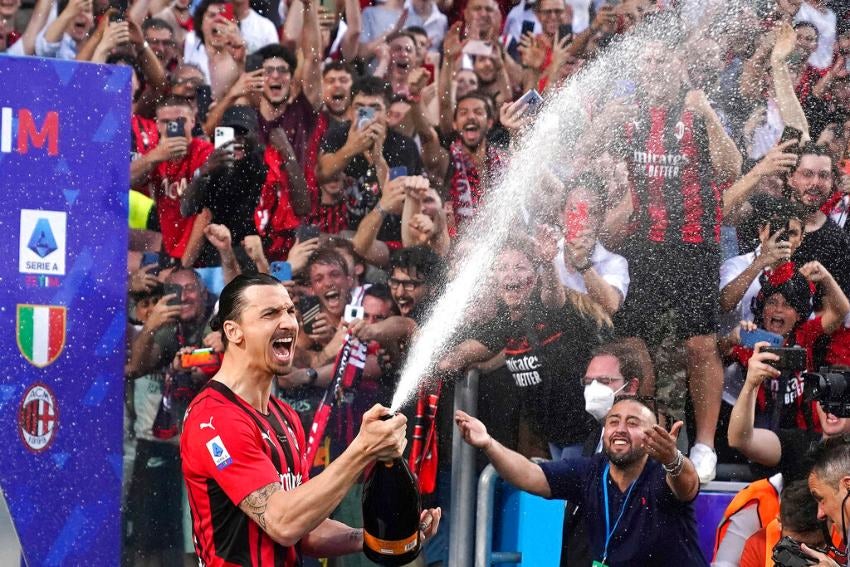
x=255 y=503
x=356 y=536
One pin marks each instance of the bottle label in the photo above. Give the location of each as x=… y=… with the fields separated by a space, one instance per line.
x=390 y=547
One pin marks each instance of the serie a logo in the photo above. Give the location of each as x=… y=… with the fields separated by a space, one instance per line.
x=28 y=133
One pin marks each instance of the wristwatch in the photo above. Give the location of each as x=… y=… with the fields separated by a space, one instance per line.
x=312 y=376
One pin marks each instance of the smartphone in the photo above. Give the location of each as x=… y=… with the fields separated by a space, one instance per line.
x=176 y=128
x=306 y=232
x=577 y=221
x=281 y=270
x=784 y=236
x=476 y=47
x=790 y=358
x=149 y=258
x=790 y=133
x=253 y=62
x=200 y=357
x=203 y=95
x=564 y=30
x=527 y=27
x=177 y=290
x=121 y=7
x=365 y=115
x=750 y=338
x=399 y=171
x=533 y=99
x=430 y=68
x=224 y=135
x=353 y=312
x=310 y=309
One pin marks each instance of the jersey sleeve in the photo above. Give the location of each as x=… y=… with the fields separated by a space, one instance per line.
x=226 y=447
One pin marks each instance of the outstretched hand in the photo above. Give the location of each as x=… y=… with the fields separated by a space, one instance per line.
x=473 y=431
x=661 y=445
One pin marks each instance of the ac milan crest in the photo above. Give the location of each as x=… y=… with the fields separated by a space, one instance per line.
x=38 y=418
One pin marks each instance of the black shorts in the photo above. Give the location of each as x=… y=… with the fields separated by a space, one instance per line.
x=670 y=281
x=154 y=514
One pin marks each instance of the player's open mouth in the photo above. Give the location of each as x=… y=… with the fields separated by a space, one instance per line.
x=620 y=442
x=282 y=347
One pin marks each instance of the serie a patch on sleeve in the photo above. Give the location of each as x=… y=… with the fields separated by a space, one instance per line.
x=219 y=453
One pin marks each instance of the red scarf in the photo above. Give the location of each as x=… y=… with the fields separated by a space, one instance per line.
x=423 y=450
x=348 y=369
x=467 y=187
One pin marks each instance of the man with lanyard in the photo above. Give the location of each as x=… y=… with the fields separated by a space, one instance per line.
x=637 y=493
x=242 y=449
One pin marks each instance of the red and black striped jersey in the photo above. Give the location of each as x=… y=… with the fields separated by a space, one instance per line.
x=230 y=450
x=672 y=178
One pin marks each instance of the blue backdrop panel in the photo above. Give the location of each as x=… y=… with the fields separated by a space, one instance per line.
x=64 y=173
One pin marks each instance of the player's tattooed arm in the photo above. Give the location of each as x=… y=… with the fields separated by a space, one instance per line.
x=256 y=503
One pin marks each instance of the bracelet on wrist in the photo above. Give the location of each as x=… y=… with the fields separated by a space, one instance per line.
x=674 y=469
x=381 y=210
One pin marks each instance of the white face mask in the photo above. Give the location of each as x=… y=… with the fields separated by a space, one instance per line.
x=599 y=399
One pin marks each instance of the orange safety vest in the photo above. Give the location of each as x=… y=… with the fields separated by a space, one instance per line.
x=772 y=535
x=763 y=494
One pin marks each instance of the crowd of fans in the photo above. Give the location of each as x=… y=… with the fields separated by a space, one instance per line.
x=366 y=137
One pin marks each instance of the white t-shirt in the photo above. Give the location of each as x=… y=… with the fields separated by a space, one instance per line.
x=195 y=52
x=729 y=270
x=825 y=22
x=257 y=31
x=613 y=268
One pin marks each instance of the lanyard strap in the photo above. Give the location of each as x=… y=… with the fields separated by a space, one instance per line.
x=609 y=531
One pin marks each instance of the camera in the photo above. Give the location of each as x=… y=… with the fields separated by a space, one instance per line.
x=830 y=388
x=787 y=553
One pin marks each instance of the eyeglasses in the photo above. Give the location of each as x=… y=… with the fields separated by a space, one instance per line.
x=552 y=12
x=604 y=380
x=280 y=70
x=408 y=285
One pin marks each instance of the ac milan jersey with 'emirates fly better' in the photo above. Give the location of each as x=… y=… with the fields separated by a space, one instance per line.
x=230 y=450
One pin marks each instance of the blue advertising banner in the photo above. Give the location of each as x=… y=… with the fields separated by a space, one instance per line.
x=64 y=173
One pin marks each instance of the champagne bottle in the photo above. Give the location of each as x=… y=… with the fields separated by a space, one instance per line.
x=391 y=510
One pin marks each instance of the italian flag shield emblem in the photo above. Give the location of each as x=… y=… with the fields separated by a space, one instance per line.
x=41 y=333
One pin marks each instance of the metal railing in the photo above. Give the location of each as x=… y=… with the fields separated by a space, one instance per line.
x=462 y=509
